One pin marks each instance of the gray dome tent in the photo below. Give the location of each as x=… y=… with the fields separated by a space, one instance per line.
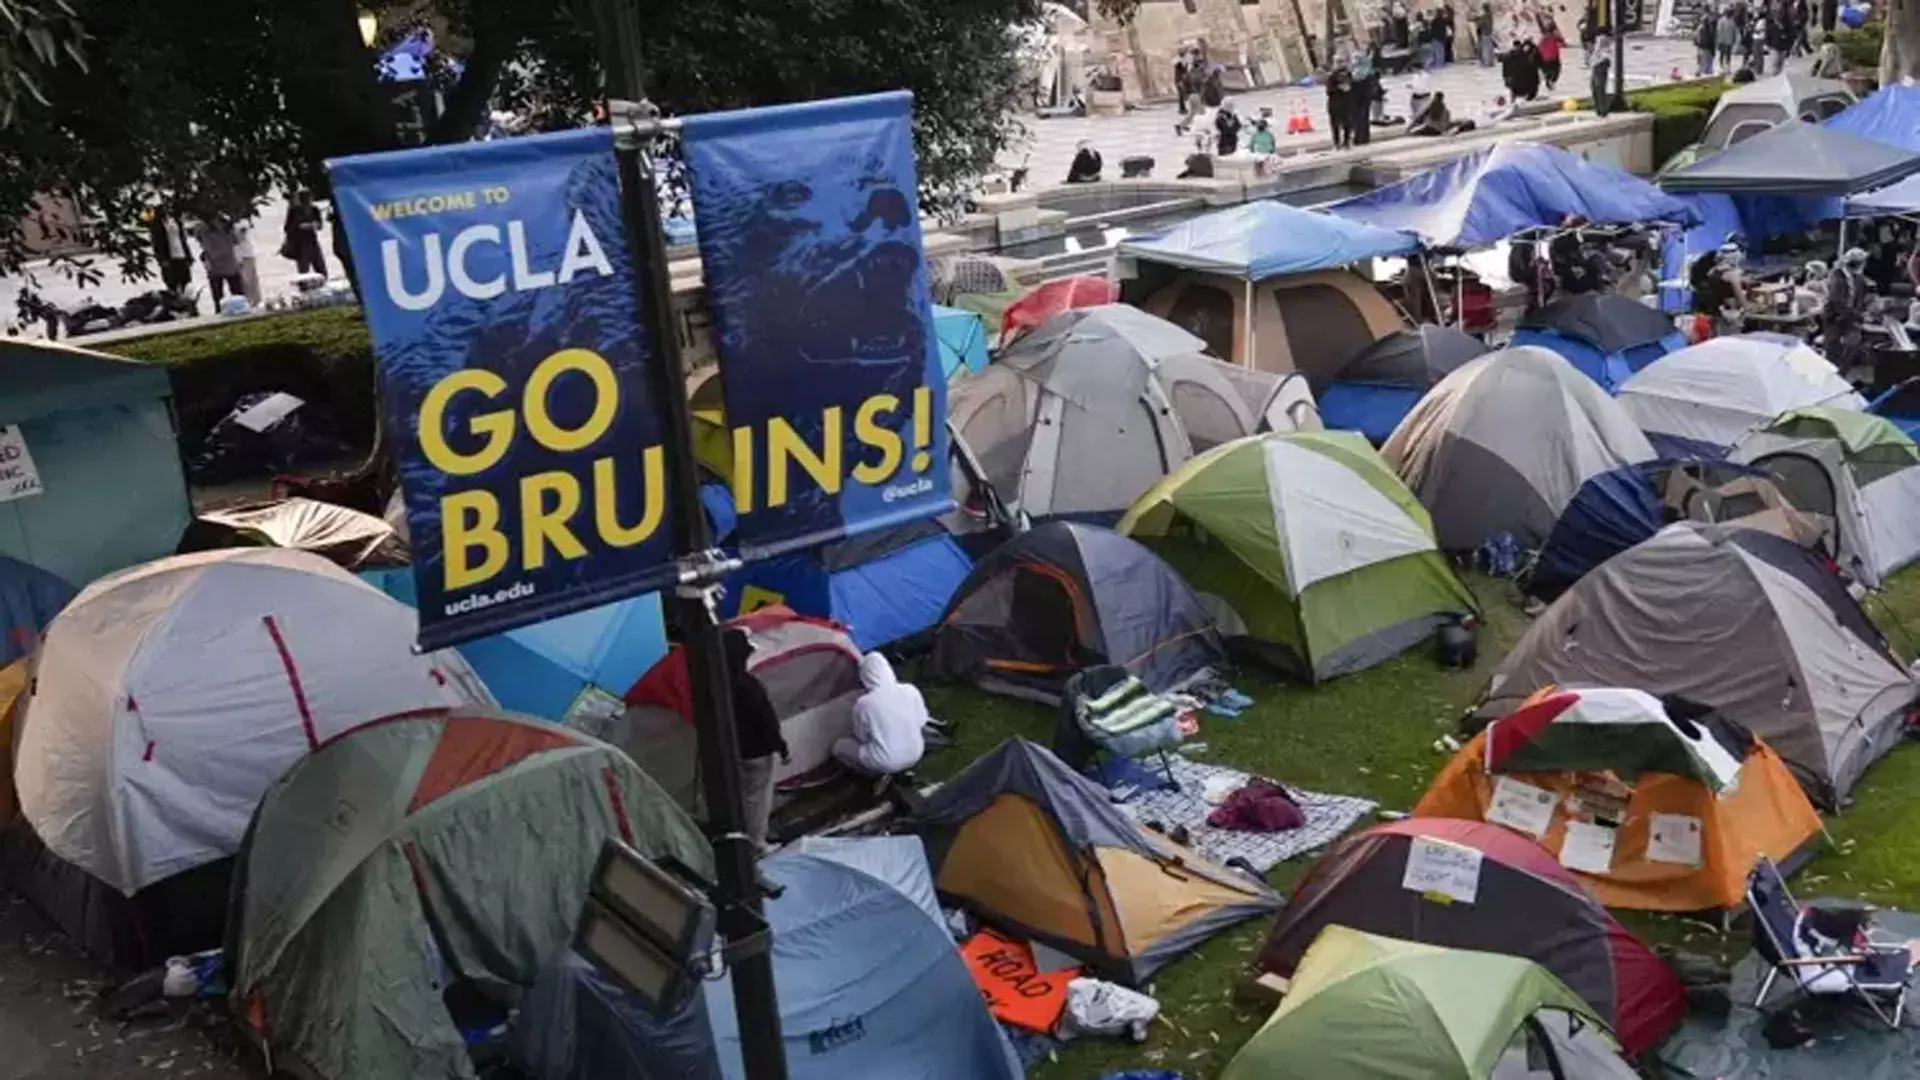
x=1065 y=597
x=1736 y=619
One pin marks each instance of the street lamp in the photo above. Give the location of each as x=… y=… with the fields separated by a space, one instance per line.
x=369 y=27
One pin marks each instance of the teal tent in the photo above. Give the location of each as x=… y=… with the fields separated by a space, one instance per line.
x=963 y=340
x=108 y=488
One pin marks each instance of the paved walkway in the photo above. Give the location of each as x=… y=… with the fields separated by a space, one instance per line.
x=1470 y=89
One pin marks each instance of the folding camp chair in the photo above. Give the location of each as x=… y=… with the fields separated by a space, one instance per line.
x=1788 y=938
x=1105 y=710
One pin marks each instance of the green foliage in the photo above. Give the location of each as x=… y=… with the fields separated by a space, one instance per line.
x=1861 y=48
x=1680 y=113
x=323 y=356
x=35 y=37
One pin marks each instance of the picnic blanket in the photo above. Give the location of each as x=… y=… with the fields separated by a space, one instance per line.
x=1327 y=817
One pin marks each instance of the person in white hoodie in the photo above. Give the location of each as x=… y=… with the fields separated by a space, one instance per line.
x=887 y=723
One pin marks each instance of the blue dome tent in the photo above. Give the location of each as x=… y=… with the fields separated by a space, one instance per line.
x=883 y=587
x=1607 y=337
x=963 y=340
x=1376 y=387
x=558 y=668
x=29 y=599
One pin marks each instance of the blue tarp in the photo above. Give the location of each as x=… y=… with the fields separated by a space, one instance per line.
x=963 y=339
x=29 y=599
x=1372 y=409
x=880 y=600
x=1890 y=115
x=1260 y=240
x=1607 y=369
x=542 y=670
x=1491 y=194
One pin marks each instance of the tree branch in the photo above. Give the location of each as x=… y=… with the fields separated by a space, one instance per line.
x=493 y=46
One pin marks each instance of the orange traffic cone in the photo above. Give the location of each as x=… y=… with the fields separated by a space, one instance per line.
x=1306 y=121
x=1293 y=121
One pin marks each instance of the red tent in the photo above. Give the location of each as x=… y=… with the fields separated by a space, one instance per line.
x=1524 y=903
x=1043 y=302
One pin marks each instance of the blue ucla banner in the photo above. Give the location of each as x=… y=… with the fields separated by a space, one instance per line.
x=500 y=295
x=820 y=314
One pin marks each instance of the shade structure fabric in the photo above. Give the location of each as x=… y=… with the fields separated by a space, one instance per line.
x=1701 y=773
x=1267 y=239
x=1493 y=193
x=415 y=851
x=963 y=340
x=1706 y=397
x=1858 y=472
x=1326 y=558
x=1064 y=597
x=1028 y=845
x=1741 y=621
x=1524 y=904
x=169 y=696
x=1503 y=443
x=1797 y=158
x=1364 y=1006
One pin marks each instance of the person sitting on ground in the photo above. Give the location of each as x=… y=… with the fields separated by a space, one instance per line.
x=888 y=723
x=1261 y=140
x=1086 y=165
x=1433 y=118
x=1827 y=61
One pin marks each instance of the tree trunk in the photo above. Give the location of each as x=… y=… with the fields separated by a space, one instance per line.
x=1900 y=52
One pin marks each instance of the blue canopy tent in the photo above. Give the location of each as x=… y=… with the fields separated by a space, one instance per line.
x=1607 y=337
x=566 y=668
x=883 y=587
x=963 y=340
x=1261 y=240
x=1720 y=220
x=1493 y=193
x=1610 y=513
x=29 y=599
x=1800 y=160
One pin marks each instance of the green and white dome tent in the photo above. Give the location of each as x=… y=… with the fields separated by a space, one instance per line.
x=1325 y=557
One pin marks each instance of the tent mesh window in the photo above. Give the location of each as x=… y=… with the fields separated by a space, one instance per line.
x=1207 y=313
x=1209 y=418
x=1739 y=122
x=1806 y=485
x=1324 y=327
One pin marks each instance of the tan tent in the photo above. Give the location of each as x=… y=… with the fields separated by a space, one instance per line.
x=1309 y=323
x=1029 y=845
x=13 y=680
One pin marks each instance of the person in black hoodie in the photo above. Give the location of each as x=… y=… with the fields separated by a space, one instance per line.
x=757 y=725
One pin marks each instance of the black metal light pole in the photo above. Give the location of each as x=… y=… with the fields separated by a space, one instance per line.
x=1619 y=53
x=737 y=898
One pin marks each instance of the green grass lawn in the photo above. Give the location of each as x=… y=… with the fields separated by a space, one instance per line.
x=1373 y=734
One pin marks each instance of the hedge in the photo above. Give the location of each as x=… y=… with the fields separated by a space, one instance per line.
x=1680 y=113
x=322 y=356
x=1861 y=48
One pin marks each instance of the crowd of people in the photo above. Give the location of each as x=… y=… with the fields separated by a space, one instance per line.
x=1763 y=35
x=227 y=254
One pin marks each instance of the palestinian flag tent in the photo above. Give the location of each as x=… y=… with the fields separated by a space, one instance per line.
x=1034 y=848
x=1469 y=885
x=1324 y=556
x=1740 y=621
x=415 y=853
x=1362 y=1007
x=1656 y=806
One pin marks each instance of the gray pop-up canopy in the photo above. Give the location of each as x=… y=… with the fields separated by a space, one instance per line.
x=1797 y=158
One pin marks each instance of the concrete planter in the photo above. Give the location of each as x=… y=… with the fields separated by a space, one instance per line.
x=1106 y=102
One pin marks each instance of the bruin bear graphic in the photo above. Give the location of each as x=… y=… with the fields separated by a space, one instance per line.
x=823 y=272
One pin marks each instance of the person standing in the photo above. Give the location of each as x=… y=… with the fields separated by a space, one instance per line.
x=1447 y=29
x=1589 y=29
x=169 y=239
x=1602 y=78
x=1726 y=34
x=1340 y=105
x=1483 y=42
x=302 y=245
x=1402 y=31
x=757 y=725
x=1226 y=129
x=1703 y=45
x=1550 y=45
x=1779 y=36
x=1180 y=81
x=1797 y=17
x=249 y=262
x=219 y=253
x=1365 y=101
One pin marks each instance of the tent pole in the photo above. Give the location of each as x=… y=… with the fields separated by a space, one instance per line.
x=1252 y=361
x=737 y=895
x=1460 y=292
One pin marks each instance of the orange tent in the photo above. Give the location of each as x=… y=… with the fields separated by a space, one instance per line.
x=13 y=680
x=1656 y=806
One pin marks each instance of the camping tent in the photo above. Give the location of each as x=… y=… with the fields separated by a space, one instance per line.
x=414 y=853
x=1509 y=897
x=1659 y=807
x=1263 y=283
x=1046 y=300
x=571 y=668
x=1028 y=845
x=869 y=983
x=1082 y=415
x=810 y=669
x=101 y=439
x=29 y=599
x=13 y=683
x=1064 y=597
x=1702 y=399
x=1492 y=193
x=1617 y=509
x=1503 y=443
x=346 y=536
x=1798 y=159
x=1607 y=337
x=169 y=696
x=882 y=586
x=1742 y=622
x=1323 y=554
x=1363 y=1007
x=1745 y=111
x=1376 y=387
x=1857 y=472
x=963 y=340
